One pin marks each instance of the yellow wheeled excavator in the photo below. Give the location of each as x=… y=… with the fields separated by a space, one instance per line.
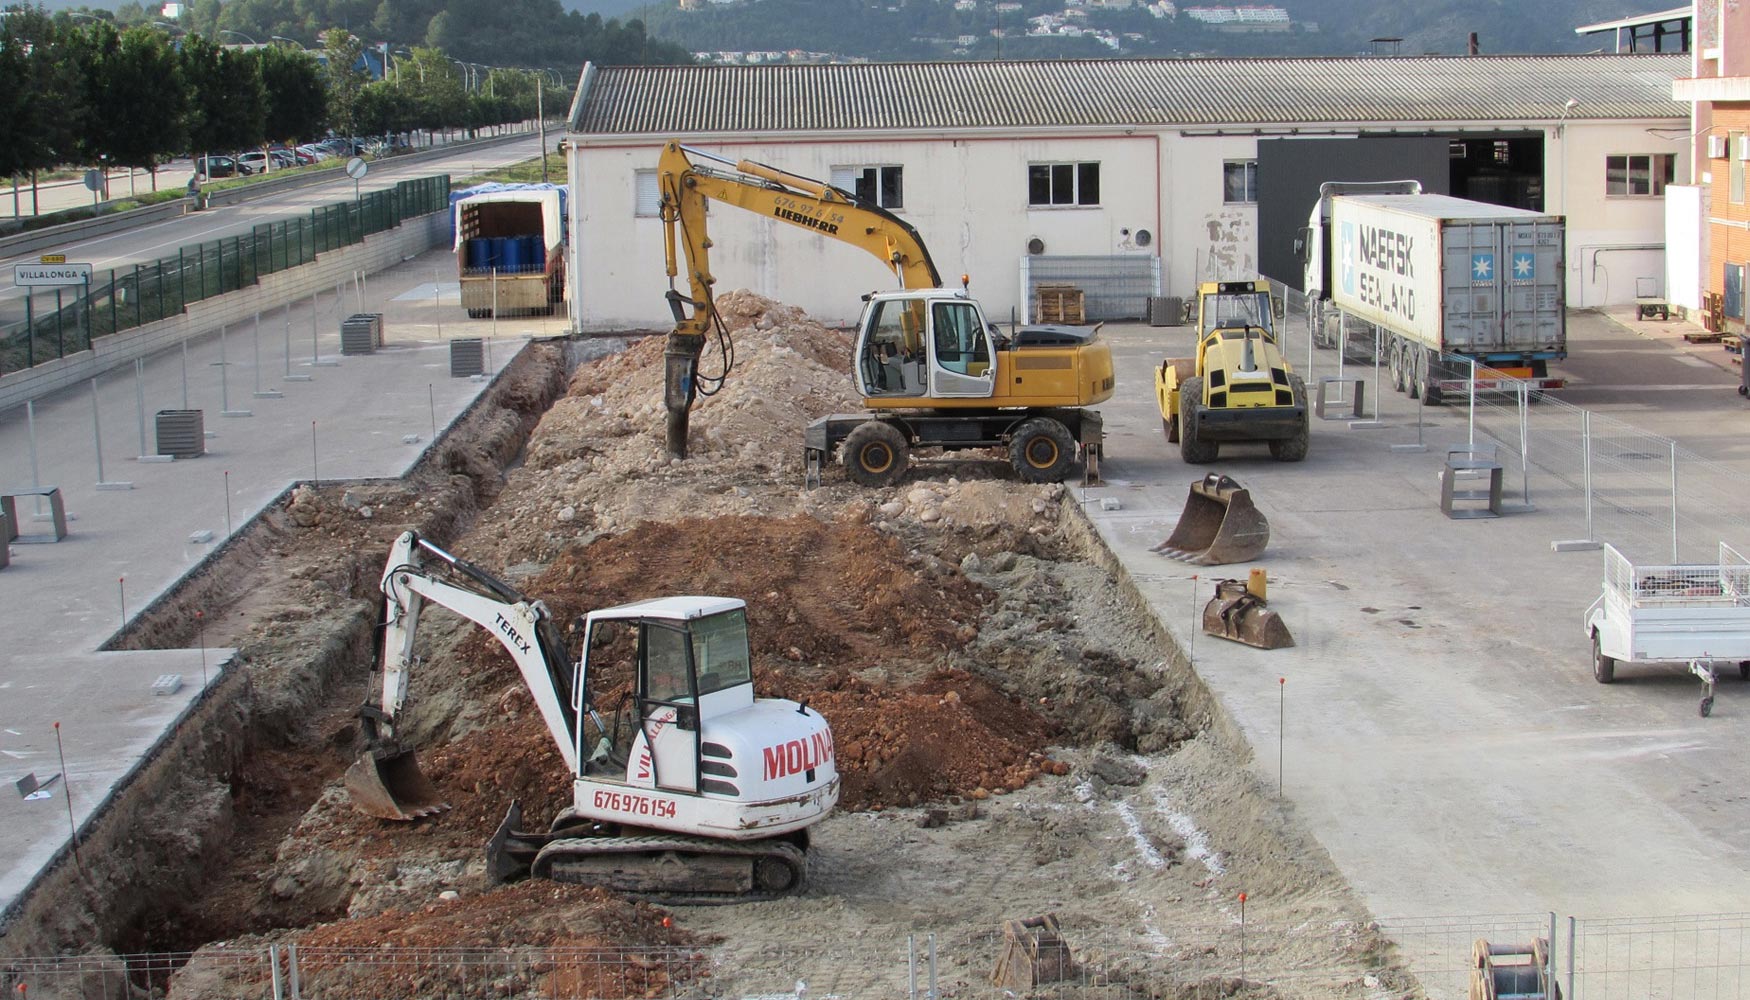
x=690 y=790
x=932 y=370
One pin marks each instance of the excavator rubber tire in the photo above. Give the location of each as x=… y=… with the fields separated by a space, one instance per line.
x=876 y=454
x=1190 y=405
x=1042 y=450
x=1603 y=667
x=1294 y=449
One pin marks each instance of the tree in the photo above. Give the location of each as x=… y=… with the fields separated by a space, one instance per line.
x=243 y=120
x=297 y=98
x=345 y=79
x=201 y=75
x=141 y=106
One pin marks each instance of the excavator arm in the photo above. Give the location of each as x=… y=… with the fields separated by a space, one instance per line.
x=386 y=781
x=807 y=204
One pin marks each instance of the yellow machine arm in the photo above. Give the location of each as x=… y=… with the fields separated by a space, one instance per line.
x=801 y=202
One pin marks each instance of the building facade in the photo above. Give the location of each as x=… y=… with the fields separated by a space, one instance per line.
x=1142 y=176
x=1709 y=220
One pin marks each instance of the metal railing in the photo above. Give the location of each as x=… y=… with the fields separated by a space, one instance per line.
x=128 y=297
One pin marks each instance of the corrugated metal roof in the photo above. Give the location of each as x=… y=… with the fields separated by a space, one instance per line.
x=665 y=100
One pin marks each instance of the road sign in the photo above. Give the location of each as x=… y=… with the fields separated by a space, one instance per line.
x=93 y=180
x=356 y=167
x=40 y=275
x=52 y=258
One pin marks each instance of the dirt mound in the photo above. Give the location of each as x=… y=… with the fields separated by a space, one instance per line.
x=952 y=734
x=835 y=592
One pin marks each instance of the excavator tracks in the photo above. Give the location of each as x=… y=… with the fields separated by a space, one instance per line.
x=671 y=868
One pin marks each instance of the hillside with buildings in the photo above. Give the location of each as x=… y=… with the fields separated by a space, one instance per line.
x=906 y=30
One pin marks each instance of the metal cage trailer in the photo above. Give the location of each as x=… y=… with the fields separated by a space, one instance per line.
x=1697 y=614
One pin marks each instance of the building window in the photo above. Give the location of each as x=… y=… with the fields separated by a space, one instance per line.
x=1735 y=168
x=647 y=199
x=1638 y=175
x=885 y=186
x=1063 y=184
x=1239 y=182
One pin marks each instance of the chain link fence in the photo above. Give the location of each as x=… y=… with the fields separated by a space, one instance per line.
x=1700 y=957
x=128 y=297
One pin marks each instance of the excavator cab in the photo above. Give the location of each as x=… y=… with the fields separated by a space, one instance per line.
x=929 y=345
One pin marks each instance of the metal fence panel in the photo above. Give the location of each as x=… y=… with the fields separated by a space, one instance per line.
x=165 y=287
x=1702 y=957
x=1113 y=287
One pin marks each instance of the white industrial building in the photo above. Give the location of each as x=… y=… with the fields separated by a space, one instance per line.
x=1132 y=178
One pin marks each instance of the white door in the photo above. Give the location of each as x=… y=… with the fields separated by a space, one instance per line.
x=960 y=354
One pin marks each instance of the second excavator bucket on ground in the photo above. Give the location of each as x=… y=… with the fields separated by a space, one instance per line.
x=1219 y=525
x=388 y=784
x=1238 y=614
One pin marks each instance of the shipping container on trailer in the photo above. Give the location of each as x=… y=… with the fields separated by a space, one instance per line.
x=1449 y=282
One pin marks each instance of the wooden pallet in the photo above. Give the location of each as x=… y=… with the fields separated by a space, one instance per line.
x=1058 y=304
x=1705 y=337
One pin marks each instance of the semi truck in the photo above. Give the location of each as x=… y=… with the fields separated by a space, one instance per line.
x=1450 y=283
x=510 y=251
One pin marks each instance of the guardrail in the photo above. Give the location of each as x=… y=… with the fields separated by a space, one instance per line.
x=54 y=236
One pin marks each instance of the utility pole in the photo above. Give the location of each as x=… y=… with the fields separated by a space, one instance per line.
x=541 y=122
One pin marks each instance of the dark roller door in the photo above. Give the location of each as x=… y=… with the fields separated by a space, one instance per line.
x=1291 y=170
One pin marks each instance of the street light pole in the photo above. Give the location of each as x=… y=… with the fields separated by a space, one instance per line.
x=239 y=34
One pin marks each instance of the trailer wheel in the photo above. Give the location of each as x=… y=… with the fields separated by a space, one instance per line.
x=1191 y=449
x=1293 y=449
x=479 y=313
x=876 y=454
x=1042 y=450
x=1707 y=706
x=1398 y=382
x=1744 y=670
x=1603 y=667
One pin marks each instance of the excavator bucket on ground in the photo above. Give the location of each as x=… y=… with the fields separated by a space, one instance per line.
x=1238 y=614
x=1219 y=525
x=388 y=784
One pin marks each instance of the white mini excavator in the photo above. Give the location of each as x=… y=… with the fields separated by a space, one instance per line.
x=690 y=790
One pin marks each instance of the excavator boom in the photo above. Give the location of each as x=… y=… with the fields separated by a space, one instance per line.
x=799 y=201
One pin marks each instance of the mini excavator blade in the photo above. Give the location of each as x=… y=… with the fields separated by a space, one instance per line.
x=1218 y=526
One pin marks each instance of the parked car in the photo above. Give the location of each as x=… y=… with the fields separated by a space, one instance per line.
x=252 y=162
x=316 y=153
x=215 y=166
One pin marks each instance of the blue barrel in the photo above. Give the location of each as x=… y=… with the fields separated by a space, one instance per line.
x=511 y=259
x=534 y=253
x=478 y=254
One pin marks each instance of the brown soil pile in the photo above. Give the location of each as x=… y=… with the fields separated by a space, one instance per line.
x=952 y=734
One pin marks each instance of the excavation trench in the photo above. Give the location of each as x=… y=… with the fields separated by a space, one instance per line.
x=1015 y=732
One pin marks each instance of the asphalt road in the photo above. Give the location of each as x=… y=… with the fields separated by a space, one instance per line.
x=154 y=240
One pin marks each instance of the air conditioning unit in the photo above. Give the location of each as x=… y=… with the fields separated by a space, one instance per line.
x=1716 y=147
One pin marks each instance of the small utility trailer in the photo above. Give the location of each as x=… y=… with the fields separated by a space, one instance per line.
x=1697 y=614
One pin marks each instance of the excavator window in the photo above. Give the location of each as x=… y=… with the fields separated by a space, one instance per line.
x=892 y=363
x=665 y=665
x=720 y=651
